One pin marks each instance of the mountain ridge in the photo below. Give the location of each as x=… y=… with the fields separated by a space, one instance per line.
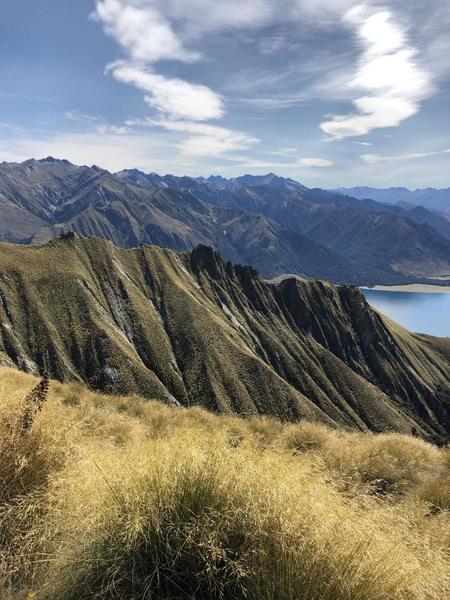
x=432 y=198
x=192 y=329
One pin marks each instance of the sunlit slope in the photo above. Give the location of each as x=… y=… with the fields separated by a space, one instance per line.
x=191 y=329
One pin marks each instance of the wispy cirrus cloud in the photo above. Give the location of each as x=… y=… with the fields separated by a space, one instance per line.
x=389 y=75
x=309 y=164
x=287 y=152
x=314 y=162
x=200 y=16
x=27 y=97
x=176 y=98
x=372 y=159
x=96 y=123
x=204 y=139
x=147 y=37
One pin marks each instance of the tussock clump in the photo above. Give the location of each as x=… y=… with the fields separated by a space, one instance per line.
x=190 y=517
x=126 y=499
x=32 y=452
x=305 y=437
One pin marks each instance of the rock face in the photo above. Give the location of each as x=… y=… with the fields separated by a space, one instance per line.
x=192 y=329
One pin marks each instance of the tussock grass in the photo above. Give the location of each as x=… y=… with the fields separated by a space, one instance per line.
x=129 y=499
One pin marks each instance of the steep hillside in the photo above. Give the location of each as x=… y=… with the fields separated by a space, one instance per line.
x=388 y=241
x=192 y=329
x=378 y=239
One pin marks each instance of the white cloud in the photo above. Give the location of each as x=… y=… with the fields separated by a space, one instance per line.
x=325 y=10
x=287 y=152
x=76 y=115
x=204 y=139
x=105 y=128
x=96 y=123
x=146 y=152
x=142 y=31
x=147 y=38
x=362 y=143
x=175 y=97
x=208 y=15
x=306 y=163
x=314 y=162
x=11 y=128
x=27 y=97
x=372 y=159
x=388 y=72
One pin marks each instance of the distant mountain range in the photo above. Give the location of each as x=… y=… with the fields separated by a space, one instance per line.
x=192 y=329
x=273 y=223
x=431 y=198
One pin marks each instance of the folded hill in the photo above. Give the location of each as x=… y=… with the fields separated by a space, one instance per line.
x=191 y=329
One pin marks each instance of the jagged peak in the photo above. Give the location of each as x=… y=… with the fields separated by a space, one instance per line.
x=204 y=258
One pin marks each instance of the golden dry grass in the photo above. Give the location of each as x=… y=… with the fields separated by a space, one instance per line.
x=120 y=498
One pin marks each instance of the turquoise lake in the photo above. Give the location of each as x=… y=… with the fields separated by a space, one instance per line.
x=421 y=312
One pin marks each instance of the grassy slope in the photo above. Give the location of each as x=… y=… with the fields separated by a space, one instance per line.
x=192 y=329
x=121 y=498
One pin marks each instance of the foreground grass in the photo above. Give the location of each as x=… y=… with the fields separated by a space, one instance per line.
x=119 y=498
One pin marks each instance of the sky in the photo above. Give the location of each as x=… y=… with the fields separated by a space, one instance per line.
x=329 y=92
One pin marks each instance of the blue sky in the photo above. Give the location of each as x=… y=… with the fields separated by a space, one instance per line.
x=329 y=92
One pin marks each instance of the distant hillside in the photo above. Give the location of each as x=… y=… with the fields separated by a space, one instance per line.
x=42 y=199
x=272 y=223
x=194 y=330
x=431 y=198
x=387 y=242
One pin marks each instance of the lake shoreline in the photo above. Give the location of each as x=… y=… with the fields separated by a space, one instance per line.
x=416 y=308
x=414 y=288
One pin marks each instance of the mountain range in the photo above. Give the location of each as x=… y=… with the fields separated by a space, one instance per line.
x=430 y=198
x=273 y=223
x=191 y=329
